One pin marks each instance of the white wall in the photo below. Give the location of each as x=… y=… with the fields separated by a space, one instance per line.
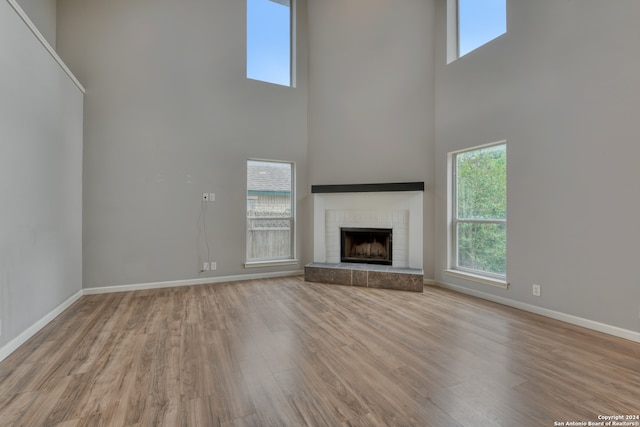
x=371 y=92
x=43 y=15
x=563 y=88
x=169 y=115
x=40 y=180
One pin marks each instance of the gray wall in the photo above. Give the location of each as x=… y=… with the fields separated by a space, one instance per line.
x=40 y=180
x=371 y=92
x=169 y=114
x=43 y=14
x=563 y=88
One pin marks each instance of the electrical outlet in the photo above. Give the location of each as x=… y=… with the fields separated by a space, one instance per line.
x=205 y=266
x=536 y=290
x=213 y=265
x=205 y=197
x=212 y=197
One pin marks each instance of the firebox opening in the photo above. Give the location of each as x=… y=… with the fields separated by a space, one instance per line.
x=366 y=245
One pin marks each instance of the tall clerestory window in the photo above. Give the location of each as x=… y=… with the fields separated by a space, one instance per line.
x=476 y=22
x=270 y=41
x=479 y=213
x=270 y=213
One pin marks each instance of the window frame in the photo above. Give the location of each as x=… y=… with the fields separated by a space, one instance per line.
x=453 y=31
x=454 y=269
x=291 y=258
x=292 y=45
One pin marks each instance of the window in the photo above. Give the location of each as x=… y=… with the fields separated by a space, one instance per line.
x=479 y=211
x=269 y=41
x=479 y=22
x=270 y=212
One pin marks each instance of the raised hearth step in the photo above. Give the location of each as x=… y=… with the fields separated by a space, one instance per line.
x=365 y=275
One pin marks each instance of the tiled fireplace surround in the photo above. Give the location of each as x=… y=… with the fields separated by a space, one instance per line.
x=397 y=206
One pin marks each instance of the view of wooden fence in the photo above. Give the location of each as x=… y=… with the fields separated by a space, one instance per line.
x=268 y=238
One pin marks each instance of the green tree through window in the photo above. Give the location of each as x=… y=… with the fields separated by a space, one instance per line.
x=480 y=210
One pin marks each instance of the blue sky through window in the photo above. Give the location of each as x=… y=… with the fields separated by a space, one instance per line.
x=269 y=41
x=480 y=21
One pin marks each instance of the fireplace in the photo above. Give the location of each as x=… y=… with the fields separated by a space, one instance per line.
x=378 y=206
x=366 y=245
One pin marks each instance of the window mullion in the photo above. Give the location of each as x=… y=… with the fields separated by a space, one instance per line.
x=481 y=221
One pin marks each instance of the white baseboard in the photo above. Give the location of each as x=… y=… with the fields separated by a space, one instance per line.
x=191 y=282
x=574 y=320
x=13 y=345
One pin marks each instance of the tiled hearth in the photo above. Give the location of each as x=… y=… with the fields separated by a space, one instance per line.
x=365 y=275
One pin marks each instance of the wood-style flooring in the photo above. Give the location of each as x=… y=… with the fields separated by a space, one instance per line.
x=283 y=352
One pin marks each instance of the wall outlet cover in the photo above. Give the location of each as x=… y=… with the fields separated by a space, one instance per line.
x=536 y=290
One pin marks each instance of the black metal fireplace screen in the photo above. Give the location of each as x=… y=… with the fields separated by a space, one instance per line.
x=366 y=245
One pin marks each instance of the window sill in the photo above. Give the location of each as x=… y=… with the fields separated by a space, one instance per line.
x=270 y=263
x=478 y=278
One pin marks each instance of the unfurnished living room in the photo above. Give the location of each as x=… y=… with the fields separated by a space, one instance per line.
x=319 y=213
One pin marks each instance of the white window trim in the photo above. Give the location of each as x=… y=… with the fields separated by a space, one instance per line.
x=473 y=277
x=292 y=43
x=486 y=278
x=269 y=262
x=274 y=263
x=452 y=30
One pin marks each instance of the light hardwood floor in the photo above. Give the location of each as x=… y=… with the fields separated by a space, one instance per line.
x=283 y=352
